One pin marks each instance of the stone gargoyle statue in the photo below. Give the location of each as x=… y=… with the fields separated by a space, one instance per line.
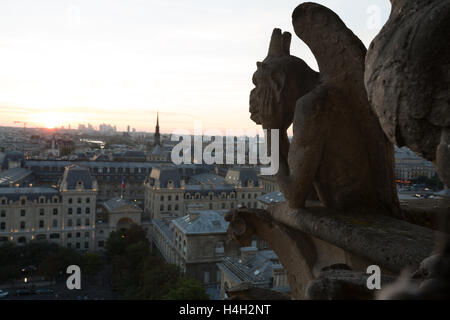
x=408 y=79
x=338 y=146
x=408 y=84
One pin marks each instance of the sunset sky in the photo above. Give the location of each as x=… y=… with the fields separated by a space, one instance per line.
x=117 y=62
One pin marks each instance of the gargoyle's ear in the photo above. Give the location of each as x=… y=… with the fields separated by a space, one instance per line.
x=238 y=226
x=278 y=80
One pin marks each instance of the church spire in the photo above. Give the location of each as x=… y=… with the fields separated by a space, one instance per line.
x=157 y=135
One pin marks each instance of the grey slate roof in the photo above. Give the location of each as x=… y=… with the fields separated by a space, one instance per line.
x=165 y=174
x=133 y=154
x=242 y=175
x=31 y=193
x=272 y=197
x=207 y=178
x=13 y=175
x=74 y=174
x=256 y=269
x=203 y=222
x=12 y=156
x=116 y=203
x=192 y=189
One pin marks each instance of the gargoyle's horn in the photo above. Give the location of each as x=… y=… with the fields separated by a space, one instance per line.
x=276 y=44
x=286 y=43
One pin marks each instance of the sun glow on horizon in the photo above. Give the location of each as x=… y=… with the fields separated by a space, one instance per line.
x=51 y=120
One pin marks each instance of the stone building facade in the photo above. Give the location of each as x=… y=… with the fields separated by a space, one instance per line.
x=65 y=215
x=114 y=215
x=168 y=195
x=195 y=243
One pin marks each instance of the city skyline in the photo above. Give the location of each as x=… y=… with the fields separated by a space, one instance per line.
x=73 y=62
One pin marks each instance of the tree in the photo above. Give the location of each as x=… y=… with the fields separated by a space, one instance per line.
x=158 y=281
x=118 y=241
x=91 y=264
x=187 y=289
x=58 y=261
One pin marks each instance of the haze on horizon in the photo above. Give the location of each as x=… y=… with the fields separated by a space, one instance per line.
x=110 y=61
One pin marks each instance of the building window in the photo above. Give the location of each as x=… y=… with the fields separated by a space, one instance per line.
x=55 y=223
x=88 y=200
x=176 y=198
x=55 y=211
x=2 y=214
x=70 y=211
x=88 y=210
x=161 y=207
x=22 y=225
x=169 y=207
x=70 y=200
x=220 y=250
x=3 y=201
x=54 y=236
x=86 y=234
x=87 y=222
x=78 y=222
x=69 y=222
x=162 y=198
x=22 y=213
x=22 y=202
x=79 y=200
x=78 y=210
x=169 y=198
x=176 y=207
x=101 y=244
x=78 y=235
x=78 y=245
x=86 y=245
x=2 y=226
x=41 y=223
x=206 y=277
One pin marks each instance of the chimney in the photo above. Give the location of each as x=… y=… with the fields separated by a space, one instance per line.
x=248 y=252
x=193 y=215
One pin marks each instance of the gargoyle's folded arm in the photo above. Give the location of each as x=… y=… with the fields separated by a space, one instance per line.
x=305 y=152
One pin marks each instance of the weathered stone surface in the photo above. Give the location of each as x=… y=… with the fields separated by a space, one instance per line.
x=408 y=83
x=340 y=284
x=388 y=242
x=338 y=146
x=408 y=77
x=306 y=240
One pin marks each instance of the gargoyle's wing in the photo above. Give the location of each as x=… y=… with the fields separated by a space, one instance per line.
x=339 y=53
x=408 y=74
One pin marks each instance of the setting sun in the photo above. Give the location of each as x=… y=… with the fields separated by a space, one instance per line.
x=51 y=119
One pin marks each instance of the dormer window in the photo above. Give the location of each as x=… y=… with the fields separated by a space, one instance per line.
x=79 y=184
x=3 y=201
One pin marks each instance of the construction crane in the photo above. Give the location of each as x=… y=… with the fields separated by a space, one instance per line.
x=24 y=134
